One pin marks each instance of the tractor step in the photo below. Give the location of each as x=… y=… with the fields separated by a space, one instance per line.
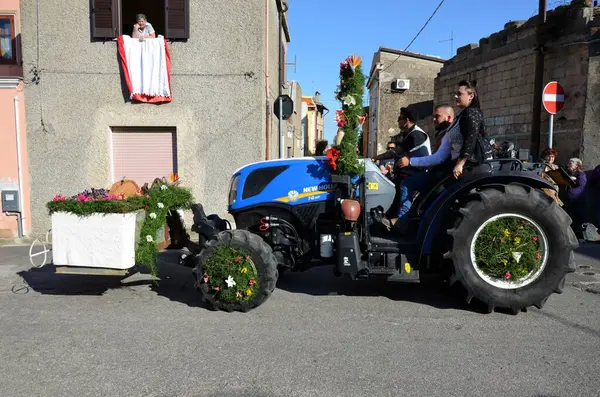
x=393 y=244
x=405 y=277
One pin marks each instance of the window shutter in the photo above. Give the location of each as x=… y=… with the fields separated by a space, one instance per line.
x=177 y=19
x=104 y=18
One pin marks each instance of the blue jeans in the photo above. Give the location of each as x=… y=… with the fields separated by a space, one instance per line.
x=415 y=183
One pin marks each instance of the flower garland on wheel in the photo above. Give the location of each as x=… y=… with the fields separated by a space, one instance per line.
x=231 y=275
x=509 y=249
x=344 y=159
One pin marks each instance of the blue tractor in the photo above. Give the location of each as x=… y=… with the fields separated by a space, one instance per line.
x=294 y=214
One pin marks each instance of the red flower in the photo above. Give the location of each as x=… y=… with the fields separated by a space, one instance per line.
x=238 y=259
x=251 y=282
x=333 y=155
x=507 y=275
x=535 y=238
x=538 y=256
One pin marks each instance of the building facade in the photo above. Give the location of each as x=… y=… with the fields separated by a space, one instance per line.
x=503 y=68
x=227 y=69
x=294 y=137
x=399 y=79
x=14 y=173
x=313 y=122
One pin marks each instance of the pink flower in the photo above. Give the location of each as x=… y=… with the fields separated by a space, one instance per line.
x=59 y=197
x=252 y=282
x=238 y=259
x=248 y=258
x=538 y=256
x=238 y=294
x=205 y=278
x=535 y=238
x=217 y=288
x=147 y=196
x=507 y=275
x=502 y=240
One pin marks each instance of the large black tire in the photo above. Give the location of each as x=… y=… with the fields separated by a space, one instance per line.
x=533 y=204
x=262 y=257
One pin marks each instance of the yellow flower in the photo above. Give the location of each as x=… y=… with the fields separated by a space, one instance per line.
x=248 y=292
x=504 y=262
x=506 y=232
x=517 y=240
x=244 y=270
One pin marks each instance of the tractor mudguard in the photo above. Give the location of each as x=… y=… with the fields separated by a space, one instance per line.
x=435 y=215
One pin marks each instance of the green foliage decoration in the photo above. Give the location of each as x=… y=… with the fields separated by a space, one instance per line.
x=351 y=117
x=509 y=248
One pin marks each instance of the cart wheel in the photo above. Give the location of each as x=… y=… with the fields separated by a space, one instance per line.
x=39 y=250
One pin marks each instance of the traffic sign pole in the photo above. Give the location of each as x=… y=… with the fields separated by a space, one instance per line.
x=280 y=127
x=550 y=130
x=554 y=101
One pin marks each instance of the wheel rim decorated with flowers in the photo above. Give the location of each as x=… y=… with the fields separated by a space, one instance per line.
x=509 y=251
x=231 y=275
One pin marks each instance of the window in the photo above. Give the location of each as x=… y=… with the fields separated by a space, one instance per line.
x=144 y=153
x=8 y=43
x=112 y=18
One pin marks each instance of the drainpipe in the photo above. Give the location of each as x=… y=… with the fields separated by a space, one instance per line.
x=267 y=76
x=19 y=168
x=284 y=8
x=538 y=87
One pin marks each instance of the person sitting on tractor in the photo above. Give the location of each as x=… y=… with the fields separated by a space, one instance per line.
x=411 y=139
x=461 y=146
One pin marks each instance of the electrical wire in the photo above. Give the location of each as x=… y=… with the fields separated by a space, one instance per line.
x=416 y=36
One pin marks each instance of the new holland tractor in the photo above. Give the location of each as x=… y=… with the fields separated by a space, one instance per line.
x=294 y=214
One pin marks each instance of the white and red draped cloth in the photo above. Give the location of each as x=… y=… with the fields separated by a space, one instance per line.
x=147 y=68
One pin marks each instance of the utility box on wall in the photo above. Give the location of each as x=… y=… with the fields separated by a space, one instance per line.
x=10 y=201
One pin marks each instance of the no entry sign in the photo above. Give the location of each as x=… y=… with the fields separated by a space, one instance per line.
x=554 y=97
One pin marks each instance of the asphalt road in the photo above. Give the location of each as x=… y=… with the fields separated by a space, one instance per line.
x=316 y=336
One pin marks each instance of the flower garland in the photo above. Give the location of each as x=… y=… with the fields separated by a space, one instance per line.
x=508 y=248
x=230 y=275
x=157 y=201
x=344 y=160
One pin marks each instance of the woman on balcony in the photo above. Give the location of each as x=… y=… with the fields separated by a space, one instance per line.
x=143 y=29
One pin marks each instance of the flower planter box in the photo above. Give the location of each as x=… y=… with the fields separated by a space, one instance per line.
x=97 y=241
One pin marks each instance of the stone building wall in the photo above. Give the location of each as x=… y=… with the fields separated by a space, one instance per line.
x=503 y=67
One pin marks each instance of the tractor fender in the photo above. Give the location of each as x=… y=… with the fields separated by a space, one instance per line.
x=434 y=217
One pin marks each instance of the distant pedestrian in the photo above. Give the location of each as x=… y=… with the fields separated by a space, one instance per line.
x=575 y=198
x=549 y=157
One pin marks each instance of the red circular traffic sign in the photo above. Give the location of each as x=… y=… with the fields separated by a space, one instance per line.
x=553 y=97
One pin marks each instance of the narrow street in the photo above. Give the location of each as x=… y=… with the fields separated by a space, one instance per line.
x=90 y=336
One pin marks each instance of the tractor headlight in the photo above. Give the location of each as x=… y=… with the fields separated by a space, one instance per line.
x=233 y=187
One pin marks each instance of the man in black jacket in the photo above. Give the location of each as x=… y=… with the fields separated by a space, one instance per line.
x=411 y=139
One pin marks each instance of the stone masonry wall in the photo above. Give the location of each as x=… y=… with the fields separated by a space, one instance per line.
x=503 y=67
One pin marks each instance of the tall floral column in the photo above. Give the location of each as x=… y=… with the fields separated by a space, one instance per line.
x=350 y=117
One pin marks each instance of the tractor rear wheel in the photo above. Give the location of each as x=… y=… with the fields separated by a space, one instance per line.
x=511 y=248
x=236 y=271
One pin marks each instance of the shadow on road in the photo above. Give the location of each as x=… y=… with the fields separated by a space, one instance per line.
x=321 y=281
x=177 y=284
x=589 y=249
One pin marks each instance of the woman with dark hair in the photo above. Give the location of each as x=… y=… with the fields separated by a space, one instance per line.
x=463 y=143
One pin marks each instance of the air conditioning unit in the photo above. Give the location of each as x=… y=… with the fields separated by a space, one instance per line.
x=401 y=84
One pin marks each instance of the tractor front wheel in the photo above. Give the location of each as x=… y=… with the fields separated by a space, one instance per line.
x=512 y=248
x=236 y=271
